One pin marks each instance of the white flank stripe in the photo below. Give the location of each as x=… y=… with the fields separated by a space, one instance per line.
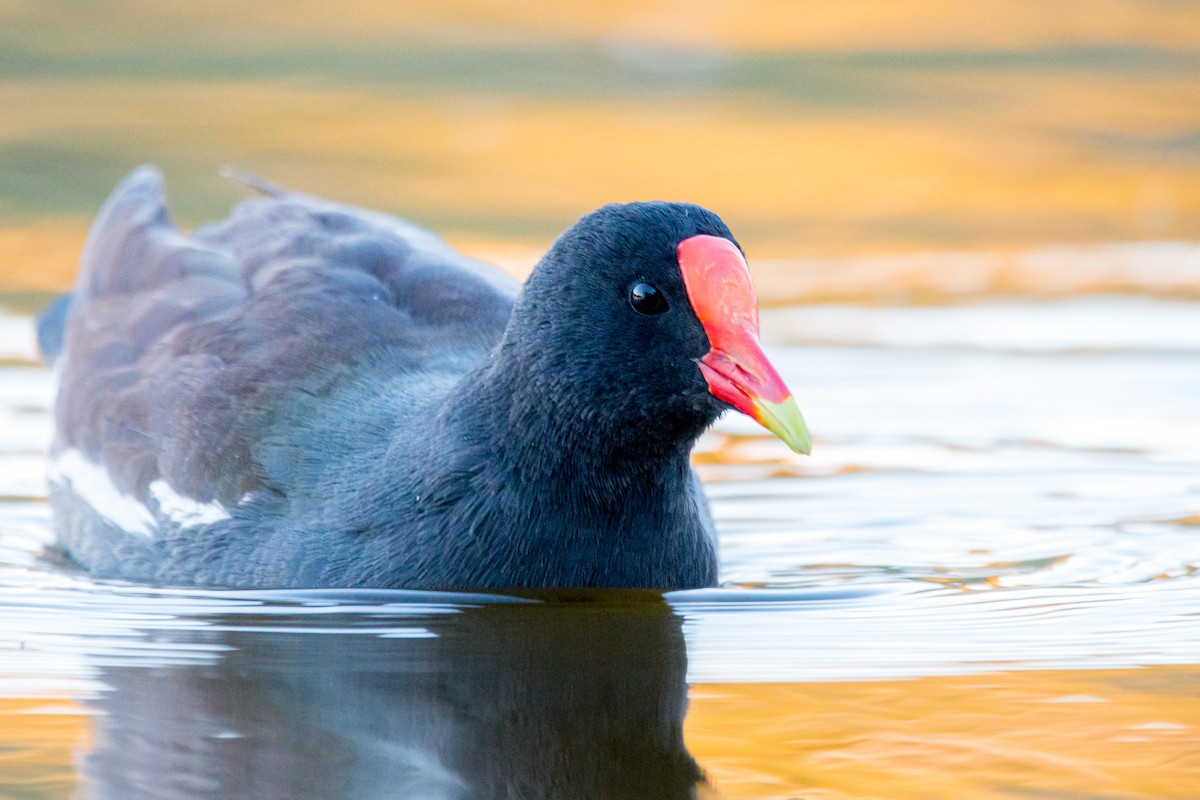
x=185 y=511
x=92 y=484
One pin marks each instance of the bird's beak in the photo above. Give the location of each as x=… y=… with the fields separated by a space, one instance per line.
x=736 y=369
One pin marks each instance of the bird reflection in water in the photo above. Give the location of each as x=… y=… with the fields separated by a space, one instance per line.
x=556 y=700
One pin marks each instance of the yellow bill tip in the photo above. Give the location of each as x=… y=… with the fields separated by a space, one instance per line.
x=785 y=421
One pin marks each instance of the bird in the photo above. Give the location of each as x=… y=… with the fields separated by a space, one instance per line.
x=307 y=394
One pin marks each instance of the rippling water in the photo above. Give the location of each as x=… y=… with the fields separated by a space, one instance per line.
x=983 y=583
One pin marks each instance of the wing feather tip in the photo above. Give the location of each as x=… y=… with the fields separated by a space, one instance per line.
x=252 y=182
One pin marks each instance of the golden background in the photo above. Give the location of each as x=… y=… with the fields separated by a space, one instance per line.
x=819 y=129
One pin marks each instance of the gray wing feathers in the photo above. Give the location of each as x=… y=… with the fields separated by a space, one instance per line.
x=134 y=247
x=181 y=351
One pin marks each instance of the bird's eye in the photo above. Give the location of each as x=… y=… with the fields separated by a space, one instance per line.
x=645 y=299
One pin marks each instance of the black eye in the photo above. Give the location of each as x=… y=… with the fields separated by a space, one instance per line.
x=645 y=299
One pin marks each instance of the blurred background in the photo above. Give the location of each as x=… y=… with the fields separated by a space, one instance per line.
x=821 y=131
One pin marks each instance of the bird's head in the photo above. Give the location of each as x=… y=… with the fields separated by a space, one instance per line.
x=649 y=309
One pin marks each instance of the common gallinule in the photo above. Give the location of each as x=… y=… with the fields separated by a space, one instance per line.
x=308 y=394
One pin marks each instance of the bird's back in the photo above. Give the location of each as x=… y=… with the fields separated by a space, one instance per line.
x=183 y=355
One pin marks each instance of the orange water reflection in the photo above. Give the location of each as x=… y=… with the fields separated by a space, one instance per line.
x=38 y=741
x=1126 y=733
x=1034 y=734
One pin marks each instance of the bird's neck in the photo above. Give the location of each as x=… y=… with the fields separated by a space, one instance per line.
x=588 y=503
x=550 y=429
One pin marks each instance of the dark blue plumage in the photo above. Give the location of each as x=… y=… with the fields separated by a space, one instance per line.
x=308 y=394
